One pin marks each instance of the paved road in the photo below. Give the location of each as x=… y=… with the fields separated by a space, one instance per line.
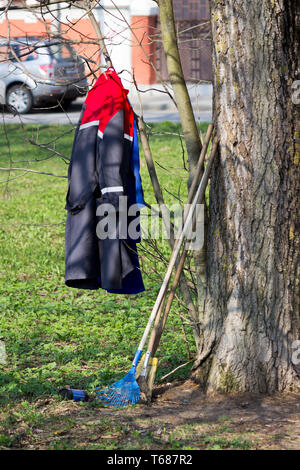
x=71 y=116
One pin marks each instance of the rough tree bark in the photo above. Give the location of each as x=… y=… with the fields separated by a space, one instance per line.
x=251 y=315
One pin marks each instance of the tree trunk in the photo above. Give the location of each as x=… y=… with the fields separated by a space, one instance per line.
x=251 y=315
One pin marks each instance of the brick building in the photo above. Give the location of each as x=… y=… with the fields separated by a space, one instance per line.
x=124 y=43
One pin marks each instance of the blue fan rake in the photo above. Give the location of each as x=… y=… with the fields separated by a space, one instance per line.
x=126 y=391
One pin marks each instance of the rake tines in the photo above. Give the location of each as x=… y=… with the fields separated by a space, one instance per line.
x=125 y=392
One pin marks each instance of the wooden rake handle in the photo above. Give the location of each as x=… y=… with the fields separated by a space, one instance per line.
x=182 y=233
x=179 y=268
x=179 y=242
x=160 y=320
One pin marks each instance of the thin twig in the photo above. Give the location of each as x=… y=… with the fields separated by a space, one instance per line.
x=174 y=370
x=27 y=170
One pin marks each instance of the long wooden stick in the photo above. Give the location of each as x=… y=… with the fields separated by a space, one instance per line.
x=160 y=199
x=181 y=236
x=156 y=334
x=98 y=32
x=157 y=331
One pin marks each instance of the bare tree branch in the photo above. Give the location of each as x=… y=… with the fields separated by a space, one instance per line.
x=32 y=171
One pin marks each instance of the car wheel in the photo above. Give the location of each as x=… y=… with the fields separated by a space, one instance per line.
x=20 y=98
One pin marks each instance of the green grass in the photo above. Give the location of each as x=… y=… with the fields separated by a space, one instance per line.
x=54 y=335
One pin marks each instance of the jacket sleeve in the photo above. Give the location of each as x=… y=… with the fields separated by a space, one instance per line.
x=82 y=179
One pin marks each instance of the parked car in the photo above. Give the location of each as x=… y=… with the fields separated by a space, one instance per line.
x=35 y=71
